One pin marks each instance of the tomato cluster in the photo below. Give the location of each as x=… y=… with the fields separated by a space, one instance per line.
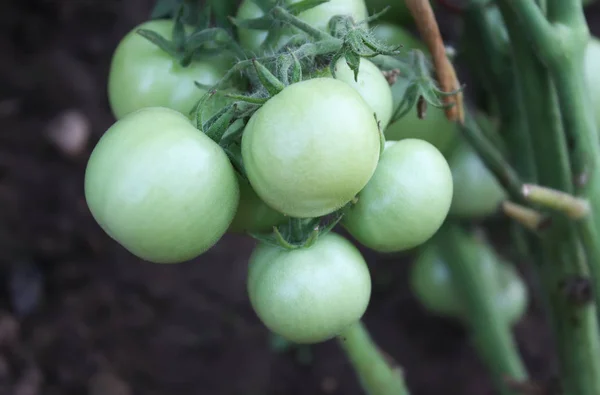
x=167 y=190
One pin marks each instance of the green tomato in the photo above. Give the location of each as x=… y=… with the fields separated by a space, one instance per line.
x=317 y=17
x=253 y=215
x=435 y=128
x=592 y=63
x=406 y=200
x=372 y=86
x=432 y=283
x=309 y=295
x=477 y=193
x=161 y=188
x=142 y=75
x=311 y=148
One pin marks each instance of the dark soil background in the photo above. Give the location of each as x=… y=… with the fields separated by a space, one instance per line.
x=79 y=315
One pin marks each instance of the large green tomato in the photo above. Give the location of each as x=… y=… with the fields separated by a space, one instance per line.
x=318 y=17
x=142 y=75
x=477 y=193
x=161 y=188
x=372 y=86
x=309 y=295
x=432 y=284
x=253 y=215
x=311 y=148
x=592 y=64
x=435 y=128
x=406 y=200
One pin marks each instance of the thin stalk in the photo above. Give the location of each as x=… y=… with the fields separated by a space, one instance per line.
x=489 y=49
x=491 y=333
x=374 y=372
x=493 y=158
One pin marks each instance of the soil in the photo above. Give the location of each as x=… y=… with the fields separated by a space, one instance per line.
x=78 y=314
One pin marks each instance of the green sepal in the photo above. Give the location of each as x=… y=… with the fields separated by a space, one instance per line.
x=267 y=79
x=296 y=70
x=164 y=8
x=234 y=153
x=353 y=61
x=247 y=99
x=233 y=133
x=161 y=42
x=304 y=5
x=198 y=110
x=178 y=32
x=261 y=23
x=217 y=125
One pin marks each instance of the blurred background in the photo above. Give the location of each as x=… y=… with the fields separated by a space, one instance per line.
x=80 y=315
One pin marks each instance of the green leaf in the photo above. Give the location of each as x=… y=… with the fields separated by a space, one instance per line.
x=304 y=5
x=160 y=42
x=267 y=79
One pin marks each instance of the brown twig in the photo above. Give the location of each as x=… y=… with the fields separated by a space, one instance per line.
x=428 y=28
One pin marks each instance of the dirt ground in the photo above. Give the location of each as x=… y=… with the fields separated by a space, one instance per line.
x=80 y=315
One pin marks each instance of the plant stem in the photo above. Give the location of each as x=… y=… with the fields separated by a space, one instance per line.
x=491 y=332
x=561 y=258
x=493 y=158
x=374 y=373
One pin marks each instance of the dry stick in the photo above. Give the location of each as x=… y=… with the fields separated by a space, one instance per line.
x=428 y=28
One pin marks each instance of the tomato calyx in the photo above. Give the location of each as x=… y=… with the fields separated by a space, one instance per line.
x=203 y=40
x=301 y=232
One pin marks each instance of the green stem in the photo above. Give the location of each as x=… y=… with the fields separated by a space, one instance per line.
x=489 y=48
x=283 y=15
x=374 y=373
x=492 y=334
x=493 y=158
x=561 y=258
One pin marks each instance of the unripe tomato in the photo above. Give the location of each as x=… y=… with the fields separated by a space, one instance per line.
x=435 y=128
x=432 y=283
x=142 y=75
x=372 y=86
x=161 y=188
x=311 y=148
x=318 y=17
x=406 y=200
x=477 y=192
x=253 y=215
x=309 y=295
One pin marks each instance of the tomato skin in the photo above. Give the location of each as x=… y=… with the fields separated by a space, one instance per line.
x=435 y=128
x=311 y=148
x=253 y=215
x=477 y=193
x=142 y=75
x=160 y=187
x=309 y=295
x=432 y=284
x=318 y=17
x=406 y=200
x=372 y=86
